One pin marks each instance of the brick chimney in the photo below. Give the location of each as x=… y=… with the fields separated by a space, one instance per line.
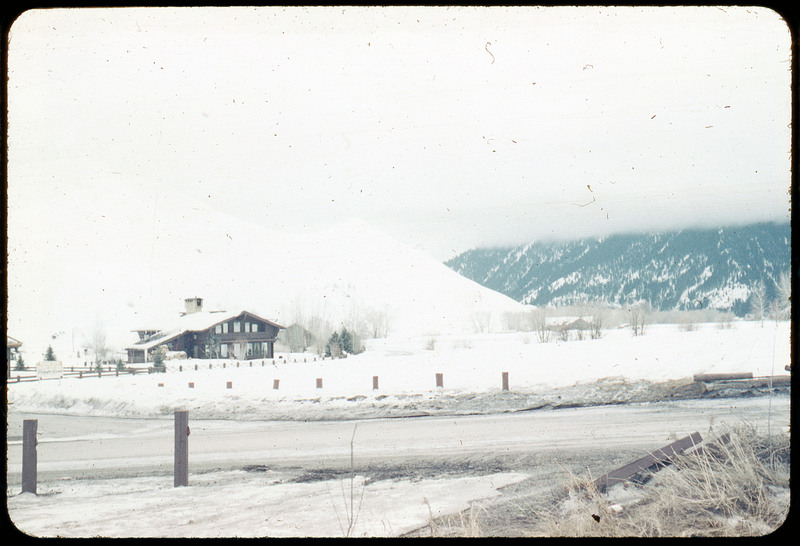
x=193 y=305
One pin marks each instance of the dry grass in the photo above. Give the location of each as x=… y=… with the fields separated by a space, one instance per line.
x=461 y=524
x=738 y=489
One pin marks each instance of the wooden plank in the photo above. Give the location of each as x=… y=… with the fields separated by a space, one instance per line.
x=658 y=456
x=711 y=446
x=505 y=381
x=751 y=383
x=722 y=376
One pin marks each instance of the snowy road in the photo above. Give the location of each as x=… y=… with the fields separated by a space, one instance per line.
x=86 y=447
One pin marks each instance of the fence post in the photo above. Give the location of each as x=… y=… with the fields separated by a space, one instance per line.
x=505 y=381
x=181 y=448
x=439 y=380
x=374 y=382
x=29 y=427
x=319 y=382
x=276 y=383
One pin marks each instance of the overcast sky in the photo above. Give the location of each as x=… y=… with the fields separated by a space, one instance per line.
x=449 y=128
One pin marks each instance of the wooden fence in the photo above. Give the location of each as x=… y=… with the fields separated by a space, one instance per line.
x=107 y=369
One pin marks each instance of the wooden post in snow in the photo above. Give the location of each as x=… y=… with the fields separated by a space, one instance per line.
x=29 y=427
x=505 y=381
x=276 y=383
x=439 y=380
x=319 y=382
x=374 y=382
x=181 y=448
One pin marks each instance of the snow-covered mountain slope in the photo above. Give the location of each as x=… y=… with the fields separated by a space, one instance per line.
x=687 y=269
x=130 y=265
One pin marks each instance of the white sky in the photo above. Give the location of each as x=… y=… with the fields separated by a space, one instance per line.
x=448 y=128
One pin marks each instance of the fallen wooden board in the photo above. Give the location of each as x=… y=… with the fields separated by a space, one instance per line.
x=658 y=456
x=722 y=376
x=711 y=445
x=751 y=383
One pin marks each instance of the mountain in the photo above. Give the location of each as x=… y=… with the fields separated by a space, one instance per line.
x=687 y=269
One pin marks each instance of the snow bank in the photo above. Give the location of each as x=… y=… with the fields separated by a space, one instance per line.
x=241 y=504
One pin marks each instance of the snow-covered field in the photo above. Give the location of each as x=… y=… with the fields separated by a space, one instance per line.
x=238 y=503
x=406 y=368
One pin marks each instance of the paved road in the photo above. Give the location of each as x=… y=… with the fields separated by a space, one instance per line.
x=83 y=447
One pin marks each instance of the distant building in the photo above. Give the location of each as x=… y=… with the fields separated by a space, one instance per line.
x=12 y=345
x=204 y=334
x=579 y=324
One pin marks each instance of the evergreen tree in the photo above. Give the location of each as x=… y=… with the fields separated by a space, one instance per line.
x=346 y=341
x=50 y=354
x=343 y=342
x=159 y=355
x=333 y=341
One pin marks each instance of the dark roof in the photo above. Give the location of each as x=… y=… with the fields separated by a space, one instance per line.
x=194 y=322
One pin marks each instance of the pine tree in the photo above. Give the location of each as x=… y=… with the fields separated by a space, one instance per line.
x=333 y=341
x=346 y=341
x=50 y=354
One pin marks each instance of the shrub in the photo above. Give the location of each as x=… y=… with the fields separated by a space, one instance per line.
x=159 y=355
x=343 y=343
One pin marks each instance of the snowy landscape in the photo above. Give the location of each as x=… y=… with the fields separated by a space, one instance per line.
x=616 y=368
x=446 y=189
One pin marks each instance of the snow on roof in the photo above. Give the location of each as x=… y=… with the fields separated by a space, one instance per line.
x=193 y=322
x=11 y=342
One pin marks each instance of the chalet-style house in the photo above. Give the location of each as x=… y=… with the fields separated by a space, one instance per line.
x=204 y=334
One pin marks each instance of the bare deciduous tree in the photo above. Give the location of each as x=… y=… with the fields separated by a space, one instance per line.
x=98 y=342
x=597 y=322
x=758 y=300
x=539 y=323
x=783 y=294
x=378 y=322
x=637 y=318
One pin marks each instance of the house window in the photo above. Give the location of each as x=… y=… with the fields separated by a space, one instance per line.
x=237 y=326
x=223 y=350
x=254 y=327
x=218 y=329
x=247 y=327
x=224 y=327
